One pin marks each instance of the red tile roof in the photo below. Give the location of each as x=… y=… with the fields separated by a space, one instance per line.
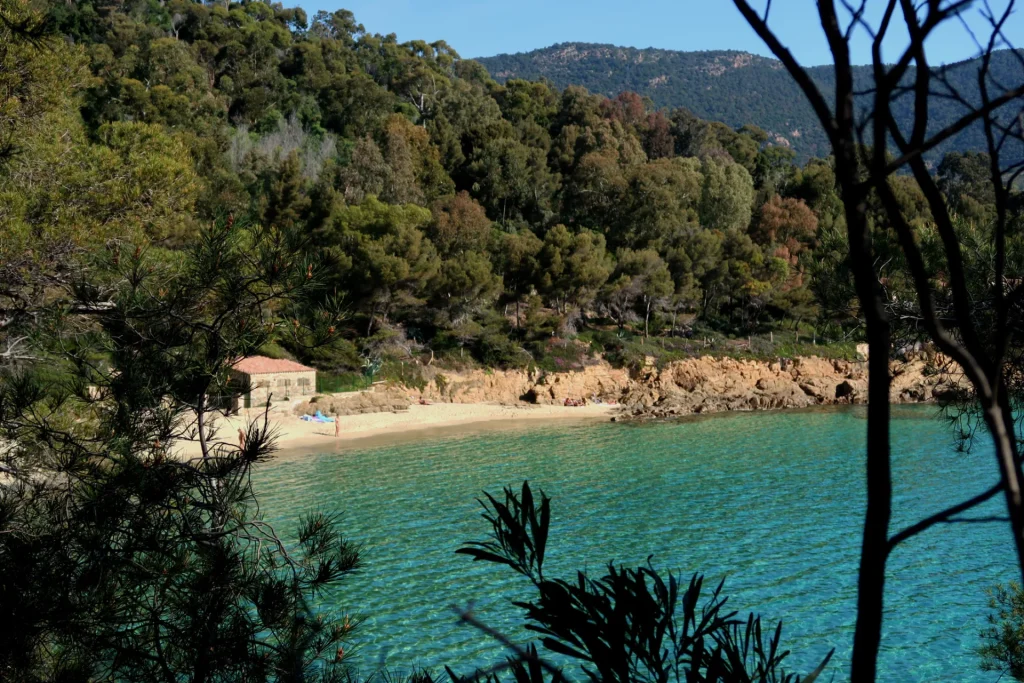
x=261 y=365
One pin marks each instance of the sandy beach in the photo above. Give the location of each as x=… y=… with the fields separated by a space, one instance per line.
x=419 y=421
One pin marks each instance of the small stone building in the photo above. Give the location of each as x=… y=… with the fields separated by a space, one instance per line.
x=274 y=377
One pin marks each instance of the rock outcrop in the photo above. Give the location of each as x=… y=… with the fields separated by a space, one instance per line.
x=386 y=400
x=685 y=387
x=598 y=380
x=705 y=385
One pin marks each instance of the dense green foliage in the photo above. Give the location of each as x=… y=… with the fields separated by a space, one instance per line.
x=738 y=88
x=456 y=216
x=120 y=560
x=1003 y=639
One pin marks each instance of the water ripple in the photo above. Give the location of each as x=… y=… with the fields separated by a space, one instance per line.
x=771 y=501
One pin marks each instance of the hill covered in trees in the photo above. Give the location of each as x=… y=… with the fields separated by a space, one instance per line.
x=458 y=218
x=735 y=88
x=185 y=184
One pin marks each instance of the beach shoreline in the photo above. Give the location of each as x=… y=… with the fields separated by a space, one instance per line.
x=293 y=435
x=484 y=400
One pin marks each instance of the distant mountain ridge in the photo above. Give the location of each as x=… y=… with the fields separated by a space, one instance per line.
x=733 y=87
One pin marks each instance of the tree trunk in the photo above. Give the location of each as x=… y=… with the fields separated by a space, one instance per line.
x=867 y=634
x=1000 y=423
x=875 y=542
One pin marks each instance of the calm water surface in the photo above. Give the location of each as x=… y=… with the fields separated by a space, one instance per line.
x=769 y=501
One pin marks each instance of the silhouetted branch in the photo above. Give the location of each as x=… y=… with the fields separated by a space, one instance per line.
x=803 y=80
x=466 y=616
x=959 y=327
x=954 y=128
x=944 y=516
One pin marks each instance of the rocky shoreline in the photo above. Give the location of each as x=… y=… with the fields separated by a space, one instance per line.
x=686 y=387
x=696 y=385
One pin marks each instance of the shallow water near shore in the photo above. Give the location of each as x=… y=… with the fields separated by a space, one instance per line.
x=772 y=502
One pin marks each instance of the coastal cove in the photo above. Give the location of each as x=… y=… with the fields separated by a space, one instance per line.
x=491 y=398
x=770 y=501
x=331 y=355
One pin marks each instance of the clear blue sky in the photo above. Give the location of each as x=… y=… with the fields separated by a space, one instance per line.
x=481 y=28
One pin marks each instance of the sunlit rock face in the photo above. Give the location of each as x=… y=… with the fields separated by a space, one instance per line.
x=695 y=385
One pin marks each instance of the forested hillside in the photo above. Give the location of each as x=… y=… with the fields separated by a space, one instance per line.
x=187 y=184
x=459 y=218
x=735 y=88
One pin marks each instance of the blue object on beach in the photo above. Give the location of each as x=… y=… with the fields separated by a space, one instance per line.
x=319 y=417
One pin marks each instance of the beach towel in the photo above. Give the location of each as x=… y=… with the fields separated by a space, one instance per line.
x=318 y=417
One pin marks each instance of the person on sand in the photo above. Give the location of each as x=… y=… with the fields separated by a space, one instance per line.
x=337 y=426
x=241 y=439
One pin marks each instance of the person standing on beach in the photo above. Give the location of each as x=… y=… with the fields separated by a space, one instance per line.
x=241 y=439
x=337 y=426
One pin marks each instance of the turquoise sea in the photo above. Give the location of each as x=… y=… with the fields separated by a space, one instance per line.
x=772 y=502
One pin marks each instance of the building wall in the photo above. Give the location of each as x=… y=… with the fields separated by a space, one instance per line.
x=280 y=385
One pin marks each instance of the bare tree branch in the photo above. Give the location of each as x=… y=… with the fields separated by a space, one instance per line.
x=466 y=616
x=945 y=515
